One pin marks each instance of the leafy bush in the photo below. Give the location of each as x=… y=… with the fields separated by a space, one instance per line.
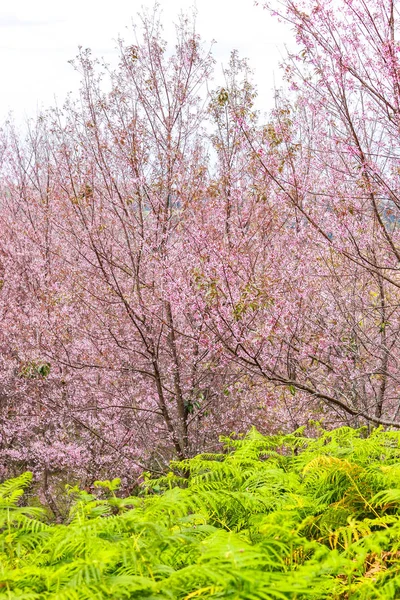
x=271 y=518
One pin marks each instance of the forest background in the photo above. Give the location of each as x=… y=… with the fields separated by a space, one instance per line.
x=175 y=267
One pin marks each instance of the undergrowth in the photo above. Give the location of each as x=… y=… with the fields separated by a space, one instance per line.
x=270 y=518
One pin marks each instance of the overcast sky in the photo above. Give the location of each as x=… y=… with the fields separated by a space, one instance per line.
x=37 y=38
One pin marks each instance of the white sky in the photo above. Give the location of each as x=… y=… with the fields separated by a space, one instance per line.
x=38 y=37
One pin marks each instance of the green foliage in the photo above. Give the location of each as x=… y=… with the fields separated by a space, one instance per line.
x=278 y=517
x=35 y=370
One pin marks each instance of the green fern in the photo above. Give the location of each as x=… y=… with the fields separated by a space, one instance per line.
x=279 y=517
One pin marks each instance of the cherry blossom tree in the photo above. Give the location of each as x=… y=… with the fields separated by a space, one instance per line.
x=322 y=318
x=106 y=341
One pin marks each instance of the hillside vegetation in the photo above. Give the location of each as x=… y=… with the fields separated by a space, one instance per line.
x=269 y=518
